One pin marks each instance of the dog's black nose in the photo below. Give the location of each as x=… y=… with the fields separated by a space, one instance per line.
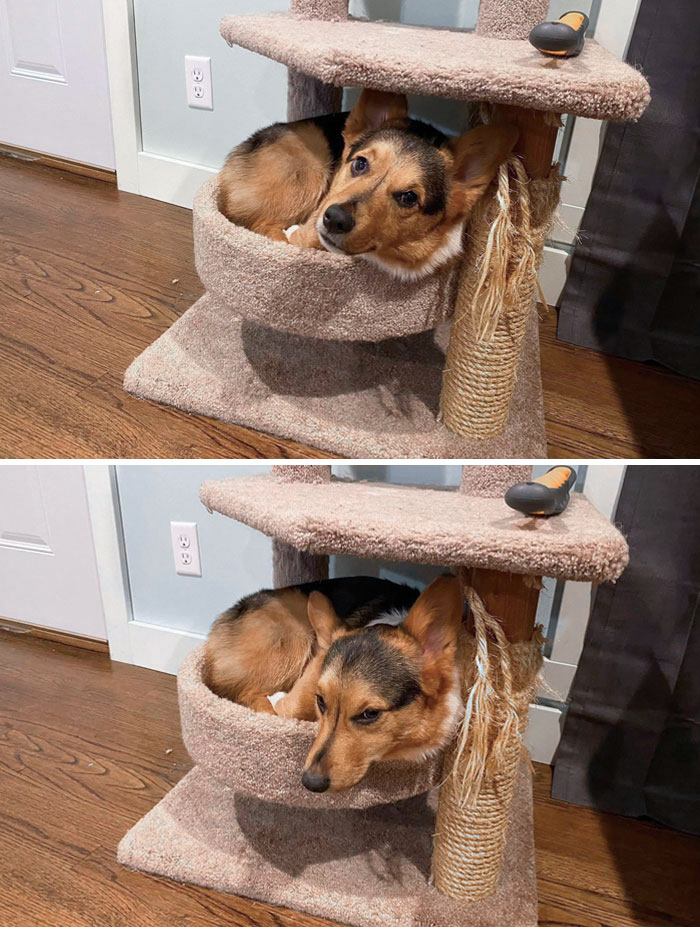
x=337 y=219
x=315 y=782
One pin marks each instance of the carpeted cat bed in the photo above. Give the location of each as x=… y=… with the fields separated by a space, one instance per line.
x=305 y=344
x=241 y=822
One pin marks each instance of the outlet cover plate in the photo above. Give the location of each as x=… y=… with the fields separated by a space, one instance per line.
x=198 y=82
x=185 y=544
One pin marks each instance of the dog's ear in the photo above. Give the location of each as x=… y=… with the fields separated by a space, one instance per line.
x=436 y=615
x=323 y=619
x=372 y=110
x=477 y=156
x=434 y=622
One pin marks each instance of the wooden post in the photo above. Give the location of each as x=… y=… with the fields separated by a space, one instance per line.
x=307 y=96
x=538 y=136
x=512 y=598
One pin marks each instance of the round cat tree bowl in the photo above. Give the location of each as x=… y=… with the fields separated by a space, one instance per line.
x=263 y=755
x=310 y=292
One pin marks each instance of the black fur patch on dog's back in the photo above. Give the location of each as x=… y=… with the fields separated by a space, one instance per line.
x=249 y=603
x=368 y=656
x=357 y=600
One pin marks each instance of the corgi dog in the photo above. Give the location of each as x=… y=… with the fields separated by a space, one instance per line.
x=374 y=662
x=372 y=183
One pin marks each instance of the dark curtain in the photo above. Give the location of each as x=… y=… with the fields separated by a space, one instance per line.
x=634 y=285
x=631 y=740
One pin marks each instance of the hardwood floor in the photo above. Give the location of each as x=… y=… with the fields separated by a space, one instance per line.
x=88 y=746
x=90 y=276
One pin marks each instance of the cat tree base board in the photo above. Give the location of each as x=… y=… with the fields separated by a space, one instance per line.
x=355 y=399
x=363 y=868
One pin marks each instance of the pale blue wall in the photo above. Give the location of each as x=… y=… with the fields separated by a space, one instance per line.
x=236 y=560
x=250 y=91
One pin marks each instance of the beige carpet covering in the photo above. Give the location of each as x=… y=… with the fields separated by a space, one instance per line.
x=510 y=19
x=240 y=822
x=305 y=345
x=263 y=755
x=365 y=868
x=308 y=292
x=438 y=526
x=353 y=398
x=446 y=63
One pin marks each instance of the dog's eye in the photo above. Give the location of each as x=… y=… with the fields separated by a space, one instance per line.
x=321 y=704
x=367 y=717
x=359 y=165
x=406 y=198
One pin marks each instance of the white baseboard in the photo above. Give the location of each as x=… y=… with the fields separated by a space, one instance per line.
x=553 y=272
x=159 y=648
x=543 y=732
x=170 y=180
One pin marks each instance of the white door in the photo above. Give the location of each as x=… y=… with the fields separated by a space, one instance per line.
x=48 y=575
x=54 y=96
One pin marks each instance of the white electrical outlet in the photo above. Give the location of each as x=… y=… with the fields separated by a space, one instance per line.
x=198 y=82
x=185 y=541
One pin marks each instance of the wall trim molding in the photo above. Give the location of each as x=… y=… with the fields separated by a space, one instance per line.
x=169 y=179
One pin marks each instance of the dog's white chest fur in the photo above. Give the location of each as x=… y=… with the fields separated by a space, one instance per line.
x=394 y=618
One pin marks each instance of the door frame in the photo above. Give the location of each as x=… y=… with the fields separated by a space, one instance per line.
x=139 y=171
x=130 y=640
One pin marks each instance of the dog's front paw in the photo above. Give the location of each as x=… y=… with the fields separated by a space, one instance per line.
x=284 y=707
x=290 y=233
x=303 y=236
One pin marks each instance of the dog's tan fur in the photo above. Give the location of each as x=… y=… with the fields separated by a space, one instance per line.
x=429 y=638
x=286 y=645
x=260 y=652
x=290 y=182
x=278 y=185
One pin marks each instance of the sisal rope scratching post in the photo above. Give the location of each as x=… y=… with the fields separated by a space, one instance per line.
x=500 y=680
x=506 y=236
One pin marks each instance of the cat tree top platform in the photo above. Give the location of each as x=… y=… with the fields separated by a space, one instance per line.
x=424 y=525
x=443 y=62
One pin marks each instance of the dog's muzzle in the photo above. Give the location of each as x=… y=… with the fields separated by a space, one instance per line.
x=337 y=220
x=315 y=782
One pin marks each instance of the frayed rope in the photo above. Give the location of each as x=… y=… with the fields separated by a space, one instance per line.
x=491 y=728
x=510 y=257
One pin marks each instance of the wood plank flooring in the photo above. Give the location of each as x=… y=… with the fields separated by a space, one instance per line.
x=90 y=276
x=88 y=746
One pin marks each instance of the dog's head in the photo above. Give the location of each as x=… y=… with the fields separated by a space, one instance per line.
x=387 y=692
x=403 y=190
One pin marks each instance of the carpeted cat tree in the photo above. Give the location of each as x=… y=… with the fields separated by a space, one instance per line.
x=443 y=843
x=330 y=350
